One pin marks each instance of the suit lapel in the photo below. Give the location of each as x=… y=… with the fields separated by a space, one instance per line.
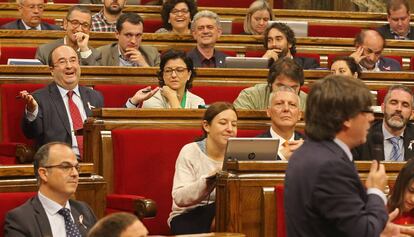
x=41 y=218
x=20 y=25
x=114 y=55
x=79 y=220
x=85 y=97
x=57 y=100
x=408 y=142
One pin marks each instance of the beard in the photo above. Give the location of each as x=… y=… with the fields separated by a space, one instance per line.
x=283 y=53
x=394 y=123
x=113 y=11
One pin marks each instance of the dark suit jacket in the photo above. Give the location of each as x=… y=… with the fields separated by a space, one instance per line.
x=364 y=151
x=389 y=64
x=296 y=136
x=44 y=50
x=325 y=197
x=386 y=32
x=306 y=63
x=110 y=55
x=18 y=25
x=30 y=219
x=52 y=121
x=195 y=55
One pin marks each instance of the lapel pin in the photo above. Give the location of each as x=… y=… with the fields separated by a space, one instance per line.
x=90 y=106
x=410 y=146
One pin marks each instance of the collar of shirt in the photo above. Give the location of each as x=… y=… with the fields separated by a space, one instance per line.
x=344 y=147
x=102 y=16
x=63 y=92
x=210 y=62
x=50 y=206
x=388 y=135
x=376 y=68
x=38 y=27
x=281 y=141
x=399 y=37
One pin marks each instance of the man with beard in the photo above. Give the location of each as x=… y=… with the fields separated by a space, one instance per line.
x=77 y=25
x=128 y=51
x=395 y=130
x=280 y=42
x=105 y=20
x=206 y=30
x=369 y=45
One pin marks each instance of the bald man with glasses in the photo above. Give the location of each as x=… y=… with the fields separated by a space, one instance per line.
x=77 y=25
x=51 y=212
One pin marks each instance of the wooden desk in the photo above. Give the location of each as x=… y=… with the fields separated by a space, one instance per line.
x=91 y=188
x=245 y=197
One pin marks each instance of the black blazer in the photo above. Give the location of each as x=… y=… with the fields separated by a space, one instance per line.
x=306 y=63
x=325 y=197
x=52 y=121
x=18 y=25
x=195 y=55
x=30 y=219
x=386 y=32
x=296 y=136
x=364 y=151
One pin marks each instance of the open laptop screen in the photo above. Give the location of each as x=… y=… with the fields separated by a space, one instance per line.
x=246 y=62
x=251 y=148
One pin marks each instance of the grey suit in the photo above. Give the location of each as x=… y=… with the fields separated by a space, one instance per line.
x=18 y=25
x=52 y=121
x=110 y=55
x=43 y=52
x=30 y=219
x=386 y=32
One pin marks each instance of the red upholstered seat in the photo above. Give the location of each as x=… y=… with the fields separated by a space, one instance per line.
x=237 y=27
x=10 y=201
x=152 y=25
x=231 y=53
x=381 y=95
x=115 y=96
x=227 y=3
x=144 y=164
x=212 y=94
x=12 y=110
x=17 y=52
x=333 y=31
x=280 y=212
x=255 y=53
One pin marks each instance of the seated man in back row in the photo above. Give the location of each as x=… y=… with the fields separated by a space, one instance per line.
x=284 y=72
x=128 y=51
x=284 y=113
x=280 y=42
x=77 y=25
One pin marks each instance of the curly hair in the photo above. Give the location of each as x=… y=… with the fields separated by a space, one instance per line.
x=169 y=5
x=284 y=29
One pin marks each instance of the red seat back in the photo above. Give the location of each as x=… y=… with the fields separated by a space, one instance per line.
x=212 y=94
x=280 y=212
x=237 y=27
x=152 y=25
x=333 y=31
x=117 y=95
x=221 y=3
x=17 y=52
x=10 y=201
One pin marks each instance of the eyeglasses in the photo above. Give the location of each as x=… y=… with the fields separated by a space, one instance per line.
x=178 y=70
x=34 y=6
x=182 y=11
x=76 y=24
x=65 y=167
x=64 y=61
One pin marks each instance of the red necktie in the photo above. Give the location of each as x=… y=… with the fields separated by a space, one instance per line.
x=76 y=121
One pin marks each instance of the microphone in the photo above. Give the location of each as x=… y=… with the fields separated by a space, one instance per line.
x=377 y=147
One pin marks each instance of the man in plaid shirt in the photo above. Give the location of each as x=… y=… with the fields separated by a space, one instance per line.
x=105 y=20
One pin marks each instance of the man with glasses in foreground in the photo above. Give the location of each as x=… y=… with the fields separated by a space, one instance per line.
x=77 y=25
x=51 y=212
x=56 y=112
x=31 y=12
x=284 y=112
x=128 y=51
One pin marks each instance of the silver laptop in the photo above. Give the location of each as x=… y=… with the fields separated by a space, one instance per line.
x=246 y=62
x=299 y=27
x=23 y=61
x=251 y=148
x=226 y=26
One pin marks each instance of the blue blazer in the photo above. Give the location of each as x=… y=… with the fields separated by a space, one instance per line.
x=18 y=25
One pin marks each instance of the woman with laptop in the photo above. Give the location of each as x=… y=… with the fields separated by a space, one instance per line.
x=193 y=191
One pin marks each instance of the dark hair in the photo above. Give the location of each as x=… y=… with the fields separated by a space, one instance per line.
x=399 y=87
x=359 y=38
x=393 y=5
x=404 y=180
x=169 y=5
x=112 y=225
x=79 y=8
x=212 y=112
x=286 y=67
x=350 y=62
x=284 y=29
x=130 y=17
x=50 y=58
x=176 y=54
x=42 y=156
x=331 y=101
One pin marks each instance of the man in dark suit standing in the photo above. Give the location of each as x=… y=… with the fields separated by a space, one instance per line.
x=284 y=112
x=323 y=192
x=398 y=16
x=51 y=212
x=394 y=130
x=279 y=41
x=31 y=12
x=55 y=112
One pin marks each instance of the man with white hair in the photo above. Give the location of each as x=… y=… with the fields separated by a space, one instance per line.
x=206 y=30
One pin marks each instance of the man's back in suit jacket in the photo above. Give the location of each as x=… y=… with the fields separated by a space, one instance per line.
x=18 y=25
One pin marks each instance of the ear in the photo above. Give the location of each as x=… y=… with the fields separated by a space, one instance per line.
x=206 y=126
x=300 y=114
x=43 y=174
x=117 y=34
x=194 y=34
x=219 y=31
x=347 y=124
x=189 y=75
x=355 y=75
x=382 y=107
x=65 y=24
x=412 y=114
x=20 y=8
x=268 y=112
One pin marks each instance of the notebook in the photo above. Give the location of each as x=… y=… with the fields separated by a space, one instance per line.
x=300 y=28
x=251 y=148
x=246 y=62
